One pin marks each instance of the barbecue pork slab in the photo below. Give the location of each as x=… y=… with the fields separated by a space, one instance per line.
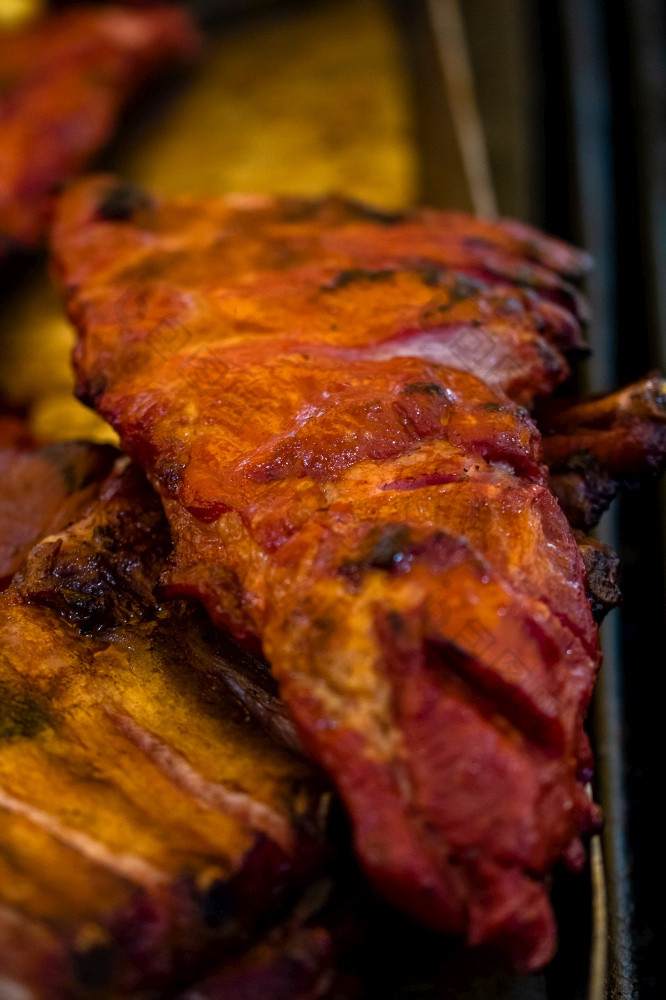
x=151 y=832
x=329 y=401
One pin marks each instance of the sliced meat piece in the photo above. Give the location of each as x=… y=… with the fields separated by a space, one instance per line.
x=150 y=829
x=64 y=79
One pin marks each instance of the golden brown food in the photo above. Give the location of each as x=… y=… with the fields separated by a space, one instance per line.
x=64 y=79
x=317 y=391
x=149 y=828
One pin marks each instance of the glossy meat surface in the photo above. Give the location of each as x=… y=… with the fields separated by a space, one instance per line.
x=63 y=82
x=348 y=486
x=150 y=830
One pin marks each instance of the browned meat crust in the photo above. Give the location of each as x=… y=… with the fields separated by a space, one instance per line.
x=594 y=446
x=150 y=830
x=41 y=490
x=602 y=566
x=301 y=382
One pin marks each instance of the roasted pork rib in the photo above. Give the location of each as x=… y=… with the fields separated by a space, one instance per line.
x=328 y=401
x=594 y=446
x=150 y=830
x=63 y=81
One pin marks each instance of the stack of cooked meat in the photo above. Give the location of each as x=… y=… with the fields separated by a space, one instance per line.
x=332 y=408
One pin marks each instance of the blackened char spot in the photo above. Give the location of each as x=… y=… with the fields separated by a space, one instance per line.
x=370 y=213
x=396 y=622
x=465 y=287
x=430 y=275
x=169 y=476
x=583 y=496
x=90 y=391
x=217 y=904
x=431 y=388
x=78 y=463
x=387 y=546
x=122 y=200
x=22 y=716
x=352 y=275
x=394 y=548
x=602 y=571
x=93 y=966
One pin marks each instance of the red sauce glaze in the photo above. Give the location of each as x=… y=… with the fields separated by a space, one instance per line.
x=379 y=521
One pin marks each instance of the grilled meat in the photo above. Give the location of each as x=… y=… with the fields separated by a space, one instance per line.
x=602 y=569
x=41 y=490
x=63 y=81
x=358 y=283
x=595 y=445
x=150 y=830
x=301 y=381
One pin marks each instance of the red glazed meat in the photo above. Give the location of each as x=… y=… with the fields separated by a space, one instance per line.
x=63 y=81
x=329 y=402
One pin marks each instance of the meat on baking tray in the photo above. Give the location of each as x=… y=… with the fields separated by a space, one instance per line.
x=329 y=401
x=64 y=79
x=151 y=832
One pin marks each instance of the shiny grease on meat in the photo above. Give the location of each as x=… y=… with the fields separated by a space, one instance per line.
x=330 y=406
